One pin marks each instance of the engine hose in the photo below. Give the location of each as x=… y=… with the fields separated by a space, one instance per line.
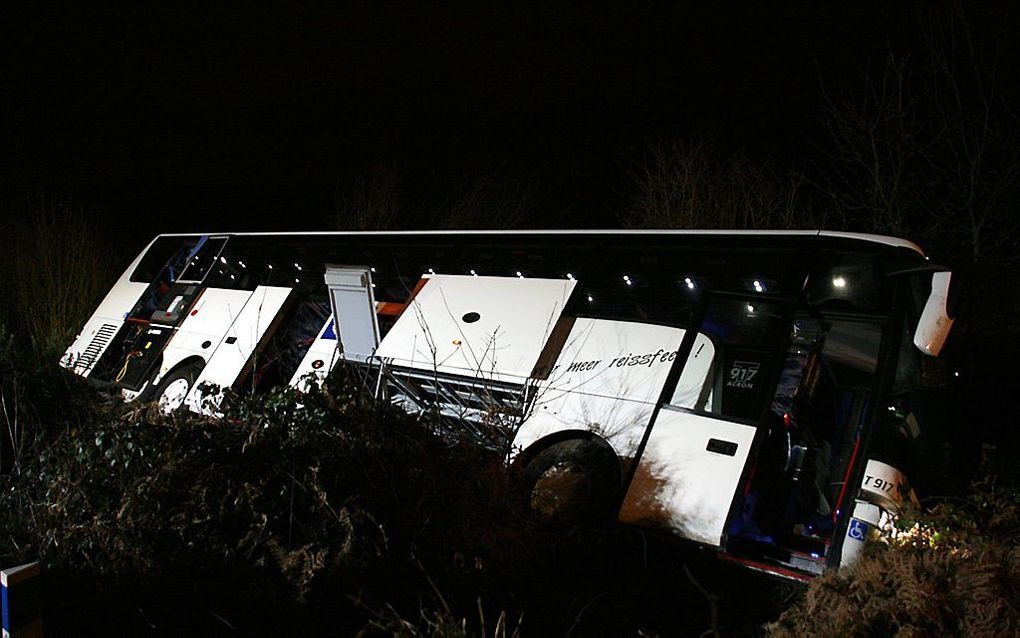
x=127 y=362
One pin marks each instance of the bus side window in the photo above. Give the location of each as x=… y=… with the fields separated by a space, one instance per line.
x=159 y=286
x=730 y=365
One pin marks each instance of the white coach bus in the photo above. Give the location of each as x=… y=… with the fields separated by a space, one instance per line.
x=754 y=392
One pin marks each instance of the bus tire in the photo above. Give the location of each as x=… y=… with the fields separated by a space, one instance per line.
x=174 y=387
x=571 y=482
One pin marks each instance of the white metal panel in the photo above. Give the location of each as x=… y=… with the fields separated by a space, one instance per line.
x=325 y=350
x=488 y=327
x=615 y=359
x=208 y=320
x=694 y=388
x=238 y=342
x=106 y=320
x=619 y=421
x=886 y=486
x=350 y=293
x=934 y=324
x=864 y=526
x=607 y=379
x=681 y=485
x=112 y=311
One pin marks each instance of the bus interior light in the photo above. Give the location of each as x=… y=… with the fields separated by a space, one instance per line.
x=758 y=286
x=839 y=282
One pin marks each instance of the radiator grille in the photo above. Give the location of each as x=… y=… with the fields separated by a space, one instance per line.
x=88 y=357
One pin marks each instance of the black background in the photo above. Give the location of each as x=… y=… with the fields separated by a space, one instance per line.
x=237 y=117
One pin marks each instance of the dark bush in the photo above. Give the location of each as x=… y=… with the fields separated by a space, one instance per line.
x=297 y=499
x=328 y=512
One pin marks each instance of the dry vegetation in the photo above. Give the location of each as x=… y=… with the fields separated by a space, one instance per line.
x=55 y=268
x=308 y=513
x=689 y=185
x=954 y=570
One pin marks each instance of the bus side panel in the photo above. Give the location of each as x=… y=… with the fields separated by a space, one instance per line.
x=238 y=342
x=322 y=355
x=688 y=475
x=204 y=327
x=102 y=326
x=607 y=379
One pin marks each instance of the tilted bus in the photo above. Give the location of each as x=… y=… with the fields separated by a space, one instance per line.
x=755 y=392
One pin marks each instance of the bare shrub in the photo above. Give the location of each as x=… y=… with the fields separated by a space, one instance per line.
x=928 y=145
x=368 y=201
x=688 y=184
x=497 y=199
x=57 y=268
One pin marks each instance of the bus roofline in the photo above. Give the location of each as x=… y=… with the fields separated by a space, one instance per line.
x=867 y=237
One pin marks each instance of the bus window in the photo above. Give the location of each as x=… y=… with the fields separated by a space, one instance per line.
x=635 y=297
x=733 y=358
x=173 y=253
x=164 y=260
x=203 y=259
x=846 y=281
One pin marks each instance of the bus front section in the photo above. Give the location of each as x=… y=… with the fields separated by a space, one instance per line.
x=812 y=416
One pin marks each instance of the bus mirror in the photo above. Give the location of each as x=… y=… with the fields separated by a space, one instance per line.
x=935 y=322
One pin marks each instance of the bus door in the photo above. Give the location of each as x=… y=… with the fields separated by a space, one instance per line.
x=698 y=446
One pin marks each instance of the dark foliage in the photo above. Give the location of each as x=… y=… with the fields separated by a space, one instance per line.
x=326 y=512
x=291 y=500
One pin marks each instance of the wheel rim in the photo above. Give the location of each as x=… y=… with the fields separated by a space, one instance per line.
x=173 y=395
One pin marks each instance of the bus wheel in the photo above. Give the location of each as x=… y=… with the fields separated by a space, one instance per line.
x=172 y=390
x=572 y=482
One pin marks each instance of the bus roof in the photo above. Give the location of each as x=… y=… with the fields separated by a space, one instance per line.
x=865 y=237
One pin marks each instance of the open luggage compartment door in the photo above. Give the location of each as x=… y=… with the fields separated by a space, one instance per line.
x=492 y=328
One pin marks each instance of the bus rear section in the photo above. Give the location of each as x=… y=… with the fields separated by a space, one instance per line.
x=192 y=318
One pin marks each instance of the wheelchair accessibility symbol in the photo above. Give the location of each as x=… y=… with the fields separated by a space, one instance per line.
x=858 y=529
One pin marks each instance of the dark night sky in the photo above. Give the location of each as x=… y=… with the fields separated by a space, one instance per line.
x=245 y=118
